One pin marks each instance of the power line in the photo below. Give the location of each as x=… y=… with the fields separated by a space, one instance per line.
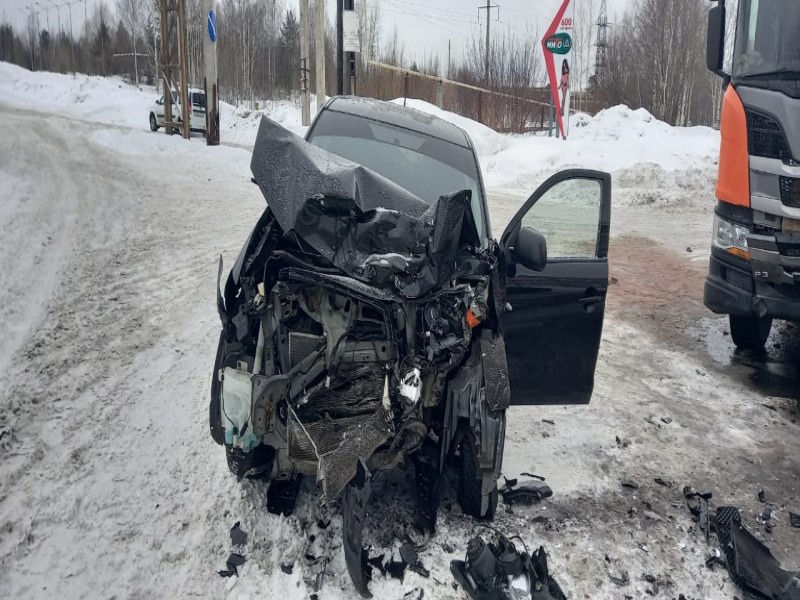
x=428 y=20
x=427 y=7
x=435 y=17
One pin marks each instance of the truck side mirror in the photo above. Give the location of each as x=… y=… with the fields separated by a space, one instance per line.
x=715 y=51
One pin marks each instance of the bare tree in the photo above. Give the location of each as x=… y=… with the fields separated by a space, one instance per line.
x=133 y=14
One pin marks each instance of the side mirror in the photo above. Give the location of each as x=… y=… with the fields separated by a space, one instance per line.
x=159 y=102
x=715 y=51
x=530 y=249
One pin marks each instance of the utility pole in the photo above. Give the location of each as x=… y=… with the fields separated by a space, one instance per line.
x=173 y=63
x=339 y=47
x=448 y=58
x=72 y=38
x=210 y=72
x=488 y=8
x=346 y=67
x=305 y=96
x=320 y=60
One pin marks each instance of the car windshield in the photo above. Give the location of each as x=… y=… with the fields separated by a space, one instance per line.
x=767 y=40
x=426 y=166
x=199 y=99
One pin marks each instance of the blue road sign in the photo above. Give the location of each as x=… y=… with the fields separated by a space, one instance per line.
x=212 y=26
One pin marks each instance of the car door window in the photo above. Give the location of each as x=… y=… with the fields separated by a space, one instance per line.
x=568 y=215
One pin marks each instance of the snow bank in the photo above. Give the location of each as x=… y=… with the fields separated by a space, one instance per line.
x=99 y=99
x=614 y=139
x=113 y=101
x=619 y=140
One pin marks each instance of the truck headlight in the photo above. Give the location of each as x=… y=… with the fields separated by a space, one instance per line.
x=731 y=237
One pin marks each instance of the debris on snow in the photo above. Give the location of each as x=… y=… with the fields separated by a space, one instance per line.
x=794 y=519
x=234 y=561
x=751 y=565
x=498 y=570
x=238 y=537
x=526 y=492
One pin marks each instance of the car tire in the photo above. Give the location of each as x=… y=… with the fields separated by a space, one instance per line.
x=153 y=123
x=470 y=482
x=750 y=332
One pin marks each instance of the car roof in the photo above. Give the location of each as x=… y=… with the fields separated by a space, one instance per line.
x=400 y=116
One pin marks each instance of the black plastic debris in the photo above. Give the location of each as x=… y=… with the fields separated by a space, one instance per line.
x=751 y=565
x=287 y=568
x=411 y=558
x=525 y=492
x=354 y=507
x=415 y=594
x=698 y=506
x=238 y=537
x=234 y=561
x=713 y=558
x=794 y=519
x=762 y=496
x=661 y=481
x=627 y=483
x=534 y=476
x=621 y=579
x=396 y=569
x=376 y=562
x=282 y=495
x=497 y=570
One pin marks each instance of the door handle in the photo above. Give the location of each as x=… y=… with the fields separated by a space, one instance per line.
x=590 y=302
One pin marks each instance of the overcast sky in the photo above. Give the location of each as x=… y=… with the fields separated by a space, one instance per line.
x=425 y=26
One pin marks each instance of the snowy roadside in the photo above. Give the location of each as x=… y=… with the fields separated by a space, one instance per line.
x=103 y=434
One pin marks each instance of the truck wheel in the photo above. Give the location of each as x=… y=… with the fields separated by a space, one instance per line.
x=750 y=332
x=470 y=482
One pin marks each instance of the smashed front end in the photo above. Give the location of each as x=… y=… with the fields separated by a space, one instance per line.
x=348 y=320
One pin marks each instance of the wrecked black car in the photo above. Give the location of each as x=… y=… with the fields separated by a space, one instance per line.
x=371 y=319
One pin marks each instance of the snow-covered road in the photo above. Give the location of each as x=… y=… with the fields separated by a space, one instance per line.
x=110 y=485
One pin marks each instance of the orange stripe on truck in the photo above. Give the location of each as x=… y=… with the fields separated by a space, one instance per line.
x=733 y=185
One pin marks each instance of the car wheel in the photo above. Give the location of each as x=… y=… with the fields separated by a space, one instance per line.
x=470 y=482
x=750 y=332
x=153 y=123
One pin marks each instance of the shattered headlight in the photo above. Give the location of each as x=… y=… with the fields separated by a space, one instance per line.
x=731 y=237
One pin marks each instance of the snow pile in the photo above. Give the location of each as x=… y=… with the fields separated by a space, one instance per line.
x=99 y=99
x=616 y=138
x=646 y=152
x=113 y=101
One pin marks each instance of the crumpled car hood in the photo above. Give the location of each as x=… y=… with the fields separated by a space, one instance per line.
x=364 y=224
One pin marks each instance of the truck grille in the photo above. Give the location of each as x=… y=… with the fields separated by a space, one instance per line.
x=790 y=191
x=765 y=137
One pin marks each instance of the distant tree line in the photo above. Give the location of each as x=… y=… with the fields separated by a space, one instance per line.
x=655 y=59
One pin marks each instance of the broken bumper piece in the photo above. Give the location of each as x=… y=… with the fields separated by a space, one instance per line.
x=498 y=571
